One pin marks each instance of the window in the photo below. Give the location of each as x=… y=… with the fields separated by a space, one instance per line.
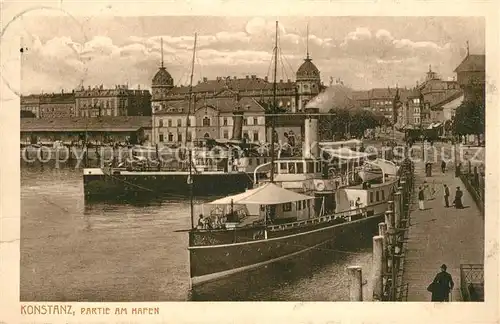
x=188 y=121
x=179 y=123
x=160 y=123
x=283 y=167
x=287 y=207
x=170 y=137
x=224 y=121
x=255 y=121
x=245 y=122
x=258 y=161
x=303 y=204
x=161 y=137
x=169 y=123
x=189 y=137
x=300 y=167
x=291 y=167
x=383 y=195
x=206 y=121
x=377 y=195
x=371 y=197
x=207 y=135
x=226 y=134
x=298 y=205
x=310 y=167
x=256 y=137
x=179 y=137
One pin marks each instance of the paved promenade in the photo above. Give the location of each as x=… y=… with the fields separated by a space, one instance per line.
x=440 y=235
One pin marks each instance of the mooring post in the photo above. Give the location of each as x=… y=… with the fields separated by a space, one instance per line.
x=382 y=231
x=355 y=283
x=378 y=287
x=398 y=208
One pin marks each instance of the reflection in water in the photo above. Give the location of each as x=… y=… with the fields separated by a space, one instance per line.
x=72 y=251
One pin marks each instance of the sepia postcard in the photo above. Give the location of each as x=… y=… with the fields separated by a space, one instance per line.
x=249 y=162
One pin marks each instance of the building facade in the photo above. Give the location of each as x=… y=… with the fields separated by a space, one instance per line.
x=120 y=101
x=213 y=102
x=209 y=118
x=381 y=101
x=57 y=105
x=31 y=104
x=471 y=77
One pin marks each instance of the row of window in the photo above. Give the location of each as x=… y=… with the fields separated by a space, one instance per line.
x=378 y=195
x=299 y=205
x=170 y=137
x=207 y=122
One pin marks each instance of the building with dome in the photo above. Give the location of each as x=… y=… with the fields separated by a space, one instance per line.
x=214 y=101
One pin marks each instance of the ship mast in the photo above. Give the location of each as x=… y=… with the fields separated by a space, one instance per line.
x=190 y=152
x=273 y=109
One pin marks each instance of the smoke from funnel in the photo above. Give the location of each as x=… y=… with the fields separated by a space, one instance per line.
x=336 y=96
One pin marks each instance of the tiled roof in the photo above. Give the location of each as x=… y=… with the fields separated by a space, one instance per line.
x=472 y=63
x=242 y=84
x=452 y=95
x=223 y=105
x=108 y=123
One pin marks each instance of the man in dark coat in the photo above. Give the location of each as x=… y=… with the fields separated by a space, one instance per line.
x=421 y=198
x=458 y=199
x=446 y=196
x=441 y=286
x=443 y=166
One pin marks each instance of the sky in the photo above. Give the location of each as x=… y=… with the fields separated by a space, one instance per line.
x=364 y=52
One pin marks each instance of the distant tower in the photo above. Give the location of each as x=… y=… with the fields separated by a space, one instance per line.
x=308 y=79
x=431 y=75
x=162 y=81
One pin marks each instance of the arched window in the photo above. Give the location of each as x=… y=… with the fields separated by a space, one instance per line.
x=206 y=121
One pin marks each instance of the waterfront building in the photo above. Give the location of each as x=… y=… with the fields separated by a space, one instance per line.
x=120 y=101
x=472 y=78
x=215 y=100
x=57 y=105
x=379 y=100
x=30 y=105
x=99 y=130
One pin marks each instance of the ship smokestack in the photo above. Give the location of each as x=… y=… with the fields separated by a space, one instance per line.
x=311 y=135
x=237 y=125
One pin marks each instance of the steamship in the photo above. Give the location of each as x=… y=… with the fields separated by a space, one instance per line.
x=297 y=209
x=229 y=169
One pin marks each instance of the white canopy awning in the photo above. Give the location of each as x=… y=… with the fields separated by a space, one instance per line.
x=345 y=153
x=268 y=194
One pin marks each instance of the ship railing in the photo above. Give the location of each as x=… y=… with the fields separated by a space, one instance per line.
x=346 y=215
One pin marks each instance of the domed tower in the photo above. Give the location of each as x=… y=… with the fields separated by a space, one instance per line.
x=308 y=80
x=162 y=81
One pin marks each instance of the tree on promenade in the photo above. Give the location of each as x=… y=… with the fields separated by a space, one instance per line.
x=469 y=119
x=353 y=121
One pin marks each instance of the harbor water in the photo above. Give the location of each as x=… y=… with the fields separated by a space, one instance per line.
x=73 y=251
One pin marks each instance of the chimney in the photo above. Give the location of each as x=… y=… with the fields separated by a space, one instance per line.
x=311 y=136
x=237 y=125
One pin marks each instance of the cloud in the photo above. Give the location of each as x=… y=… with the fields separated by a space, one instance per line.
x=362 y=57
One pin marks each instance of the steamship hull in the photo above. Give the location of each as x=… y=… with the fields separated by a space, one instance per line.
x=212 y=262
x=127 y=185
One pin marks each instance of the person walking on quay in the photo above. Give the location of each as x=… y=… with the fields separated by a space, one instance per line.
x=443 y=166
x=421 y=198
x=441 y=286
x=446 y=196
x=458 y=199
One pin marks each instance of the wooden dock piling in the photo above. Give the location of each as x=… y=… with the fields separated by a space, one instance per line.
x=378 y=287
x=355 y=283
